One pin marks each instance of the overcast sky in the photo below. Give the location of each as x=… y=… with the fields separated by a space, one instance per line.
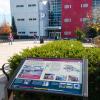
x=5 y=10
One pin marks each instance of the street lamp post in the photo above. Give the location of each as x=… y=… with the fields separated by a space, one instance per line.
x=44 y=2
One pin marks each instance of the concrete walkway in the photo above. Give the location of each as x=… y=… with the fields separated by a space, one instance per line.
x=88 y=45
x=6 y=50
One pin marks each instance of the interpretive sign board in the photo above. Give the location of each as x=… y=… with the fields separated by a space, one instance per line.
x=52 y=75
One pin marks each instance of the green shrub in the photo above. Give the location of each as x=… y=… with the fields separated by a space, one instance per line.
x=66 y=49
x=80 y=34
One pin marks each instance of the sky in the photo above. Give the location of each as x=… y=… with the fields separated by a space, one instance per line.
x=5 y=11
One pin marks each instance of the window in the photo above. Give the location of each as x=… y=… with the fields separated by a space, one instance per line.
x=55 y=9
x=83 y=19
x=67 y=33
x=85 y=5
x=31 y=5
x=66 y=20
x=21 y=32
x=30 y=19
x=32 y=32
x=67 y=6
x=20 y=19
x=19 y=5
x=34 y=18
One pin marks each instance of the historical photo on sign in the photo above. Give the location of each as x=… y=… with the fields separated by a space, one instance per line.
x=31 y=72
x=61 y=78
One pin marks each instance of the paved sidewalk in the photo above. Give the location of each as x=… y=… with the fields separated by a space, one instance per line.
x=88 y=45
x=6 y=50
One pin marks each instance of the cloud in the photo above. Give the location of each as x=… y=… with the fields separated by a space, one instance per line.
x=4 y=7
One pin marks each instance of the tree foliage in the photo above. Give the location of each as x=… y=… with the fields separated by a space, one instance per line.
x=92 y=30
x=14 y=29
x=5 y=28
x=80 y=34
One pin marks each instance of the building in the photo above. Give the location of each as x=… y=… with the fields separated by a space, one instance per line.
x=96 y=9
x=74 y=14
x=29 y=17
x=55 y=18
x=96 y=4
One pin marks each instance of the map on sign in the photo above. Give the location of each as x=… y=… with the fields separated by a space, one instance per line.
x=50 y=75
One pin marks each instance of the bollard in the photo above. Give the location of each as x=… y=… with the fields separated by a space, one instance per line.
x=41 y=40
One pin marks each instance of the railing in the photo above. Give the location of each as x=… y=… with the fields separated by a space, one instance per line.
x=4 y=81
x=5 y=69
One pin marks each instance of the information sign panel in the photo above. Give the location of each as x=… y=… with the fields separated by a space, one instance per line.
x=64 y=76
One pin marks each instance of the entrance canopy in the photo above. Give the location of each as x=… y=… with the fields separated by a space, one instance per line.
x=53 y=28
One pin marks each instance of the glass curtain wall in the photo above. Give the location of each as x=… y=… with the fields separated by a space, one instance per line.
x=96 y=10
x=54 y=12
x=96 y=3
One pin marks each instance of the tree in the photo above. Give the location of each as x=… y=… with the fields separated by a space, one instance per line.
x=92 y=24
x=5 y=28
x=80 y=34
x=14 y=29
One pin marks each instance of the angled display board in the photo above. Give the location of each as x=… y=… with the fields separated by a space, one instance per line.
x=63 y=76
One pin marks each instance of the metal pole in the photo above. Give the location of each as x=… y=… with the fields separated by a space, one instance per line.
x=40 y=37
x=39 y=17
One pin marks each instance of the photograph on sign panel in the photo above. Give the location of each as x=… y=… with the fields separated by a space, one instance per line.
x=73 y=78
x=49 y=76
x=61 y=78
x=31 y=73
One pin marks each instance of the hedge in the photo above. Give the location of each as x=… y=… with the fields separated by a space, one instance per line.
x=66 y=49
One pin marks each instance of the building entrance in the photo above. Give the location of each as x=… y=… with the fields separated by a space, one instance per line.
x=54 y=34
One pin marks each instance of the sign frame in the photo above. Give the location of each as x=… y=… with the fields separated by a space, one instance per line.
x=84 y=78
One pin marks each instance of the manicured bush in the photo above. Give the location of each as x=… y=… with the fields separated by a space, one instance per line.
x=66 y=49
